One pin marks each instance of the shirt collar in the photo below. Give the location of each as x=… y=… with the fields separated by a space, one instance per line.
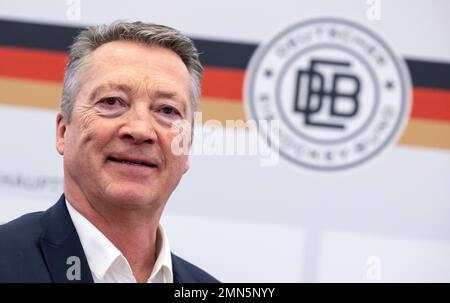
x=162 y=270
x=102 y=253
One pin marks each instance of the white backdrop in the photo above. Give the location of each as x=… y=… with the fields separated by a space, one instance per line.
x=387 y=220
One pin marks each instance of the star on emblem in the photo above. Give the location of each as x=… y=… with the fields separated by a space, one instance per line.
x=268 y=73
x=389 y=85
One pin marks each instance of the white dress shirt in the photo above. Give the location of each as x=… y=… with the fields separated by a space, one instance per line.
x=107 y=263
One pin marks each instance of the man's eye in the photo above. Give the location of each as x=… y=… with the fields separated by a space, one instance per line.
x=111 y=101
x=167 y=110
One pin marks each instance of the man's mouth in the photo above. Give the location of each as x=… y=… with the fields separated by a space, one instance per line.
x=135 y=162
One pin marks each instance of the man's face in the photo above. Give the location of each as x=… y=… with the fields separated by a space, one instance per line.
x=117 y=147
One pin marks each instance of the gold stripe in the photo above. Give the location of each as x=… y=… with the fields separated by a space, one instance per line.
x=419 y=132
x=221 y=109
x=427 y=133
x=46 y=95
x=38 y=94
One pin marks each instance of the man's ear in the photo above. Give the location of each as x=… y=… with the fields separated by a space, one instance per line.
x=60 y=133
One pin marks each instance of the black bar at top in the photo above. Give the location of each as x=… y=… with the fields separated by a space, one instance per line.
x=212 y=53
x=429 y=74
x=36 y=35
x=224 y=54
x=58 y=38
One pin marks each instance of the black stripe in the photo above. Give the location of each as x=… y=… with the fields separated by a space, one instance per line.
x=212 y=53
x=38 y=36
x=429 y=74
x=58 y=38
x=224 y=54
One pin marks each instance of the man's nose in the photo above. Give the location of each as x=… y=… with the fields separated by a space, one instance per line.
x=139 y=129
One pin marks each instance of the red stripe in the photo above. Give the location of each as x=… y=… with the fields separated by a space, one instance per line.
x=49 y=66
x=221 y=83
x=225 y=83
x=431 y=104
x=32 y=64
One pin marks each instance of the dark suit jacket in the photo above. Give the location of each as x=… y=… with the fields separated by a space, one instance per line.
x=36 y=248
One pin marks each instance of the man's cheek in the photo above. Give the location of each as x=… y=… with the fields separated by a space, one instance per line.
x=180 y=137
x=85 y=114
x=176 y=164
x=95 y=133
x=185 y=165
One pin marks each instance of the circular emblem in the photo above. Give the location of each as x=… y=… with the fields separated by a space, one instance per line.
x=338 y=91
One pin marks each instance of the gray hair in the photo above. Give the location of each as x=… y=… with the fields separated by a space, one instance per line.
x=150 y=34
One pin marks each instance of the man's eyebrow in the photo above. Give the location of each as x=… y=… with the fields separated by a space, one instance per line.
x=171 y=95
x=109 y=86
x=167 y=95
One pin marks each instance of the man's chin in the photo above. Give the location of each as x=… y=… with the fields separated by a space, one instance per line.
x=131 y=198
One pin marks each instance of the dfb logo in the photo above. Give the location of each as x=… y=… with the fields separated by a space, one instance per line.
x=339 y=92
x=313 y=75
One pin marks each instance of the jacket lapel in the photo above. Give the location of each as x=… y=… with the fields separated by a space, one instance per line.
x=180 y=273
x=62 y=248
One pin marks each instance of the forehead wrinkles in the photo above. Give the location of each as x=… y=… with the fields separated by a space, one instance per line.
x=155 y=86
x=122 y=83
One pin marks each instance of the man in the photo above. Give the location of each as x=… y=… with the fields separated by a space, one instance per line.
x=126 y=85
